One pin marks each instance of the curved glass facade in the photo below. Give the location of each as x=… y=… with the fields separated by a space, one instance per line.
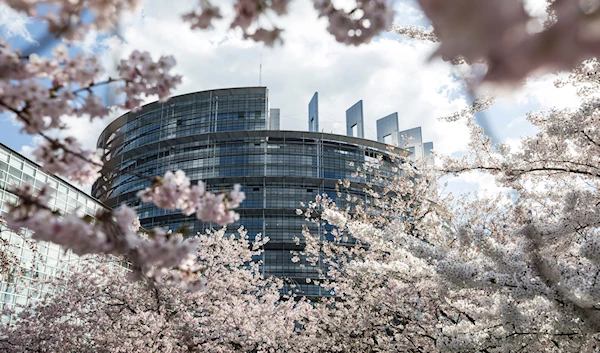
x=221 y=137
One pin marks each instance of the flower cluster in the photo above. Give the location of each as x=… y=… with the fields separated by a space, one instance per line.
x=38 y=106
x=67 y=157
x=68 y=19
x=238 y=310
x=110 y=232
x=350 y=28
x=334 y=217
x=203 y=18
x=143 y=76
x=367 y=19
x=173 y=192
x=40 y=91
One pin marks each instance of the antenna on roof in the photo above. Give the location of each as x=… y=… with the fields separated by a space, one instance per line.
x=260 y=71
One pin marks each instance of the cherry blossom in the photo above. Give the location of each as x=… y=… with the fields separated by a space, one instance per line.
x=67 y=157
x=110 y=232
x=41 y=107
x=202 y=19
x=66 y=19
x=97 y=308
x=377 y=16
x=173 y=191
x=144 y=76
x=489 y=274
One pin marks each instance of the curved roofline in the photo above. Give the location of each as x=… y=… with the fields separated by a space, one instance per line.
x=118 y=122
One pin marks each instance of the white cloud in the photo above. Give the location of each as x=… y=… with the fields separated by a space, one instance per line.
x=388 y=75
x=410 y=12
x=543 y=92
x=14 y=24
x=537 y=8
x=27 y=150
x=477 y=183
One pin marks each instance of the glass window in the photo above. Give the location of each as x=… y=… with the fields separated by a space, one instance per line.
x=16 y=172
x=62 y=188
x=12 y=180
x=16 y=162
x=27 y=168
x=52 y=183
x=40 y=176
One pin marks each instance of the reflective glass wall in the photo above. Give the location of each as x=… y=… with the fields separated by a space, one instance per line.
x=37 y=261
x=278 y=169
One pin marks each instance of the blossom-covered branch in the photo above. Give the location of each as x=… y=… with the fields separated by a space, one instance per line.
x=497 y=274
x=96 y=308
x=174 y=192
x=109 y=232
x=40 y=91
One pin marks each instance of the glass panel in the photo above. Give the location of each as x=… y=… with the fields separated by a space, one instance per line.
x=16 y=162
x=3 y=156
x=16 y=172
x=27 y=168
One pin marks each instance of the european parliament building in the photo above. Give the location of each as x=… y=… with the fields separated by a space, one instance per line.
x=229 y=136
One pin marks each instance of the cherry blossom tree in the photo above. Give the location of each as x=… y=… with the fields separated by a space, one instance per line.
x=407 y=269
x=96 y=309
x=379 y=301
x=514 y=272
x=554 y=175
x=467 y=274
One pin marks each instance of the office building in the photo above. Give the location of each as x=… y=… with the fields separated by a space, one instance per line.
x=36 y=260
x=223 y=137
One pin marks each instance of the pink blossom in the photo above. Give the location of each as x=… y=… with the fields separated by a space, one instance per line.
x=204 y=19
x=269 y=37
x=377 y=16
x=173 y=191
x=280 y=6
x=247 y=11
x=66 y=157
x=235 y=196
x=144 y=76
x=165 y=250
x=237 y=309
x=168 y=192
x=66 y=18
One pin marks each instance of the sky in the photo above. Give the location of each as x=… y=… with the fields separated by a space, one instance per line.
x=390 y=74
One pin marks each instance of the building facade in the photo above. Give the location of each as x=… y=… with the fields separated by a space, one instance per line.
x=222 y=137
x=35 y=260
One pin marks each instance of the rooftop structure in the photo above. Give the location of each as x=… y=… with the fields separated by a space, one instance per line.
x=411 y=139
